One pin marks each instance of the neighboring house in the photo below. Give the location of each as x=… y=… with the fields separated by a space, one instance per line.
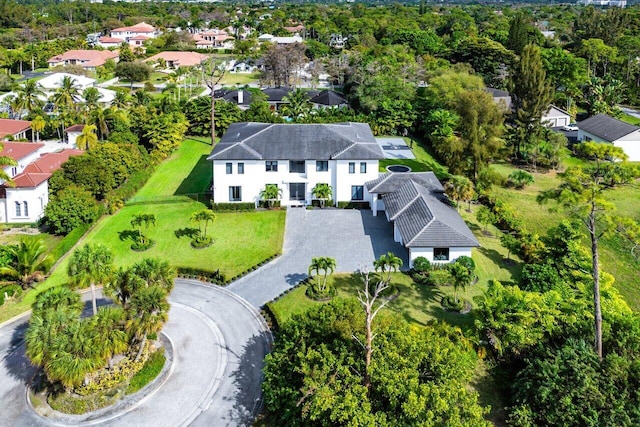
x=603 y=128
x=241 y=67
x=556 y=117
x=72 y=133
x=276 y=95
x=26 y=200
x=52 y=82
x=213 y=39
x=501 y=97
x=297 y=30
x=337 y=41
x=141 y=29
x=109 y=42
x=295 y=157
x=14 y=129
x=179 y=59
x=423 y=219
x=240 y=97
x=329 y=99
x=88 y=59
x=268 y=38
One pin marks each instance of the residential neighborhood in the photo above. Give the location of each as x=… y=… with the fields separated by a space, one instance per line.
x=300 y=214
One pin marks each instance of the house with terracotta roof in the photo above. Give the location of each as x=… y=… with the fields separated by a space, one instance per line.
x=88 y=59
x=26 y=199
x=109 y=42
x=14 y=129
x=141 y=29
x=179 y=59
x=213 y=39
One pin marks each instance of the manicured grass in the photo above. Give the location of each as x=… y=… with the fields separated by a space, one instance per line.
x=239 y=78
x=49 y=240
x=423 y=162
x=148 y=373
x=187 y=171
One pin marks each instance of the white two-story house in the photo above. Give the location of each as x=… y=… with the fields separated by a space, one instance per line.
x=295 y=157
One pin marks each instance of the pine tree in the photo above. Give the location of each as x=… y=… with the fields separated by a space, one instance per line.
x=518 y=33
x=531 y=95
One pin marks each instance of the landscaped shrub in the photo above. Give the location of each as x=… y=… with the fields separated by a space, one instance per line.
x=266 y=204
x=232 y=207
x=520 y=178
x=115 y=198
x=213 y=276
x=353 y=205
x=317 y=203
x=449 y=303
x=315 y=293
x=201 y=242
x=468 y=262
x=440 y=277
x=69 y=240
x=148 y=373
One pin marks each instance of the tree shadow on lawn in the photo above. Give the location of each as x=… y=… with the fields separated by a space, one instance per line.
x=187 y=232
x=128 y=235
x=498 y=259
x=198 y=180
x=247 y=403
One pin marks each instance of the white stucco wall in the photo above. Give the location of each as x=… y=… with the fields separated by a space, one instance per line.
x=556 y=118
x=36 y=198
x=255 y=178
x=630 y=143
x=22 y=164
x=454 y=253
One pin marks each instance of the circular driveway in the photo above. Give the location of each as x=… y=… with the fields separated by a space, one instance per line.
x=219 y=344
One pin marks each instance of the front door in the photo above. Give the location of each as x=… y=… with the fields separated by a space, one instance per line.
x=297 y=191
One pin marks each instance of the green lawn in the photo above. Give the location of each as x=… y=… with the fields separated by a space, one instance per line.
x=187 y=171
x=239 y=79
x=423 y=162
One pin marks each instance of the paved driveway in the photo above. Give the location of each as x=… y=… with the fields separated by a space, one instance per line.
x=219 y=346
x=354 y=238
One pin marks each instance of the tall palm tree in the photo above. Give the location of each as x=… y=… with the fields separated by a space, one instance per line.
x=91 y=97
x=99 y=117
x=143 y=219
x=206 y=216
x=30 y=260
x=324 y=265
x=121 y=99
x=123 y=286
x=29 y=96
x=37 y=125
x=6 y=161
x=297 y=105
x=57 y=298
x=148 y=312
x=88 y=138
x=109 y=338
x=388 y=263
x=67 y=94
x=155 y=272
x=91 y=265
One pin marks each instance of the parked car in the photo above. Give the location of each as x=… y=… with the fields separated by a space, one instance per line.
x=571 y=127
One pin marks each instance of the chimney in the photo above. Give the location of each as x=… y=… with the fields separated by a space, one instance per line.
x=240 y=97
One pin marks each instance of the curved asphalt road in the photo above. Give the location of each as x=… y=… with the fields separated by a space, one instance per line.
x=219 y=345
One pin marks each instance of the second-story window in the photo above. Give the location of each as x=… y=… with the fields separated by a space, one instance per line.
x=363 y=167
x=271 y=166
x=296 y=166
x=229 y=168
x=240 y=168
x=352 y=167
x=322 y=166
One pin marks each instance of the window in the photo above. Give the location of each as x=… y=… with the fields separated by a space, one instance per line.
x=14 y=171
x=363 y=167
x=352 y=167
x=229 y=168
x=297 y=191
x=441 y=254
x=18 y=213
x=235 y=193
x=240 y=168
x=357 y=192
x=296 y=166
x=271 y=165
x=26 y=209
x=322 y=166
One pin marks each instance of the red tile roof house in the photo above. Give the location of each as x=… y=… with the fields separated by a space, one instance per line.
x=26 y=200
x=141 y=29
x=179 y=59
x=88 y=59
x=14 y=129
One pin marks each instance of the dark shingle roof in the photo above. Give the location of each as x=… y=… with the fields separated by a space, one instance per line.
x=390 y=182
x=264 y=141
x=606 y=127
x=232 y=96
x=275 y=94
x=329 y=97
x=423 y=215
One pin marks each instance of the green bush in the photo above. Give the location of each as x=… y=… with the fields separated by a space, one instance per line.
x=353 y=205
x=468 y=263
x=213 y=276
x=316 y=294
x=201 y=242
x=142 y=245
x=421 y=264
x=439 y=277
x=148 y=373
x=327 y=203
x=449 y=303
x=265 y=204
x=115 y=198
x=232 y=207
x=69 y=240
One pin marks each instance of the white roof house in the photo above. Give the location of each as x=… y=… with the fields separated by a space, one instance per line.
x=54 y=81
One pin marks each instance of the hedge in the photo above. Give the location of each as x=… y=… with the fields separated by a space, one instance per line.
x=213 y=276
x=233 y=207
x=69 y=240
x=353 y=205
x=115 y=198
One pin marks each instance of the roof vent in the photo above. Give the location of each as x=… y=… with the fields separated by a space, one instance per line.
x=238 y=135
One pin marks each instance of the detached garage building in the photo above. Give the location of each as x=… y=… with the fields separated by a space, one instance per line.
x=603 y=128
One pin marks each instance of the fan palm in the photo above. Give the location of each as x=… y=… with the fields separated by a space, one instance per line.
x=89 y=265
x=109 y=338
x=58 y=298
x=30 y=260
x=148 y=311
x=155 y=272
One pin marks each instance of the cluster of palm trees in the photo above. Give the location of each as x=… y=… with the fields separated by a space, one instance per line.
x=205 y=217
x=70 y=347
x=139 y=221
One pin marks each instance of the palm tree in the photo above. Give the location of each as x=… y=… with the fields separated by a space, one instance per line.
x=206 y=216
x=109 y=338
x=88 y=138
x=388 y=263
x=322 y=191
x=91 y=265
x=28 y=96
x=297 y=105
x=148 y=311
x=271 y=194
x=460 y=188
x=121 y=99
x=91 y=97
x=37 y=125
x=140 y=220
x=6 y=161
x=57 y=298
x=462 y=278
x=99 y=117
x=67 y=94
x=326 y=265
x=155 y=272
x=30 y=260
x=124 y=285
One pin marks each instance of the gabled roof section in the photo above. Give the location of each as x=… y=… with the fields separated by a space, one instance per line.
x=19 y=150
x=264 y=141
x=276 y=94
x=606 y=127
x=12 y=127
x=329 y=97
x=393 y=181
x=39 y=171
